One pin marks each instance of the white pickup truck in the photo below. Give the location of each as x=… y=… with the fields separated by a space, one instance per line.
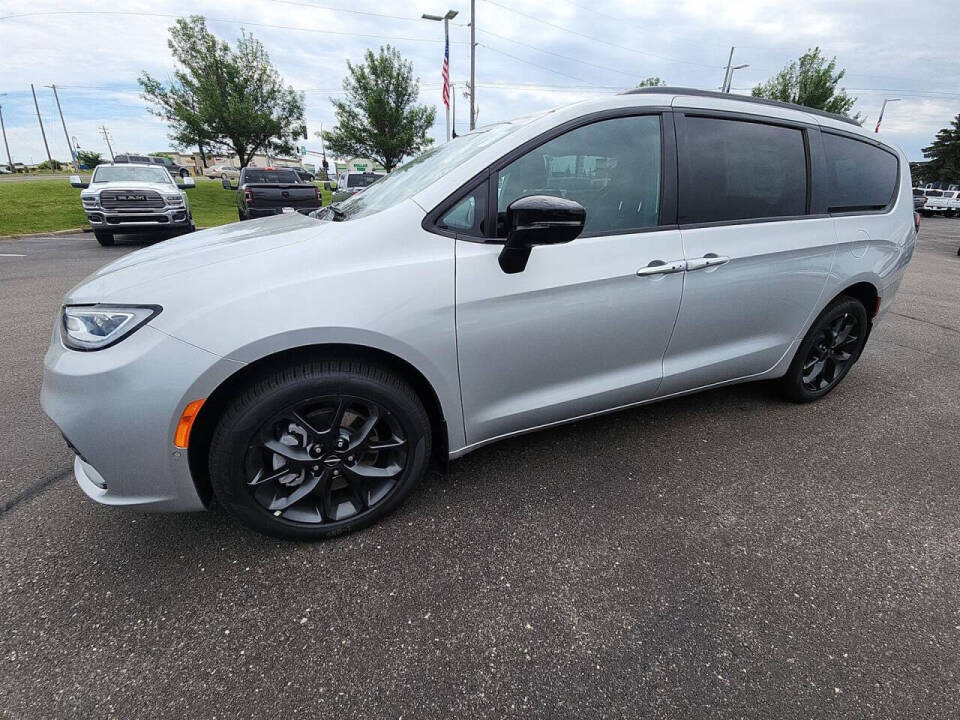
x=941 y=202
x=134 y=198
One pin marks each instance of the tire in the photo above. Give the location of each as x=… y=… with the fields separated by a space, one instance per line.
x=829 y=349
x=184 y=173
x=104 y=238
x=330 y=476
x=242 y=215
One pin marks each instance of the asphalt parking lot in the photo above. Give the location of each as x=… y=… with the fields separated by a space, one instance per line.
x=721 y=555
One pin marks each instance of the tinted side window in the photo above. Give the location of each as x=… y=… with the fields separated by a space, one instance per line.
x=860 y=176
x=737 y=170
x=611 y=167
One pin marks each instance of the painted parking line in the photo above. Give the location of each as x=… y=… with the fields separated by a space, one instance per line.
x=12 y=255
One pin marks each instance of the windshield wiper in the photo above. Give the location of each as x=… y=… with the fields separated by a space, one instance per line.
x=338 y=214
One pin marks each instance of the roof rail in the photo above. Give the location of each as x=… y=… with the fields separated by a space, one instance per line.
x=740 y=98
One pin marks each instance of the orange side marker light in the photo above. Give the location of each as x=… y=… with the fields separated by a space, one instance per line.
x=181 y=438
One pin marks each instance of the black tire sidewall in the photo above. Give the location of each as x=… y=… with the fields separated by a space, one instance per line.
x=229 y=447
x=792 y=383
x=106 y=239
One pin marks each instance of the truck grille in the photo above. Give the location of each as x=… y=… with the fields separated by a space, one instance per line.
x=123 y=199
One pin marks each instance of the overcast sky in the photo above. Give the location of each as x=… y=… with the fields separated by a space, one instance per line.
x=533 y=54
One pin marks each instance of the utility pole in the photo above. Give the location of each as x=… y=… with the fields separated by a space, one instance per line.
x=106 y=136
x=473 y=64
x=6 y=144
x=73 y=155
x=726 y=73
x=40 y=120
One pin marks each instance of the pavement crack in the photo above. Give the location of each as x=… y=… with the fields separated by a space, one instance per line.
x=926 y=322
x=33 y=490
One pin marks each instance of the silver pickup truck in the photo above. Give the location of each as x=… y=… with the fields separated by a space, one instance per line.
x=134 y=198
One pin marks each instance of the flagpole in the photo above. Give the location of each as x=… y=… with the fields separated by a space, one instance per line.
x=446 y=45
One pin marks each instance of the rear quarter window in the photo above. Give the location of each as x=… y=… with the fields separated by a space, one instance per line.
x=860 y=175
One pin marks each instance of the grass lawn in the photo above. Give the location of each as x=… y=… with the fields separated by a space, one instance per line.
x=46 y=205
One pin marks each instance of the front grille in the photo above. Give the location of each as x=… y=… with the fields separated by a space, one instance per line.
x=122 y=199
x=160 y=219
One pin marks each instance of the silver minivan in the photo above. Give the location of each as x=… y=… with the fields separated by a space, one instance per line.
x=304 y=371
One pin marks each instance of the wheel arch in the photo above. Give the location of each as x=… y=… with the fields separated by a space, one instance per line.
x=217 y=401
x=866 y=292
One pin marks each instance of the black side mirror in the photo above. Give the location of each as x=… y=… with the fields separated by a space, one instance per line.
x=538 y=220
x=76 y=182
x=226 y=184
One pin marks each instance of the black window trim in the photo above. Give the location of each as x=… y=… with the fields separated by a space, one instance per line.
x=864 y=209
x=668 y=177
x=806 y=130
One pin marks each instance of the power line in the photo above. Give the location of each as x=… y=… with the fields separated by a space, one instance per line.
x=345 y=10
x=579 y=61
x=599 y=40
x=533 y=64
x=224 y=20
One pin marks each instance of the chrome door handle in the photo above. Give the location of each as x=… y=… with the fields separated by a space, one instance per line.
x=708 y=260
x=659 y=267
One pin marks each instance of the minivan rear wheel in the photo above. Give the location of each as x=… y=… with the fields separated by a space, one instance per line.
x=318 y=449
x=828 y=351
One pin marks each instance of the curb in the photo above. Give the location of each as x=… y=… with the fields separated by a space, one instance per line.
x=27 y=236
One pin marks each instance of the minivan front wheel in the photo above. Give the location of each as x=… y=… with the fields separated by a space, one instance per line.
x=828 y=351
x=318 y=449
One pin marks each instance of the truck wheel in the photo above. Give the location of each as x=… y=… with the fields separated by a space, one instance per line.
x=242 y=215
x=104 y=238
x=184 y=173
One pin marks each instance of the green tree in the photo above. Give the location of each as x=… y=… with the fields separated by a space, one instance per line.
x=380 y=117
x=943 y=155
x=811 y=81
x=228 y=98
x=652 y=81
x=89 y=158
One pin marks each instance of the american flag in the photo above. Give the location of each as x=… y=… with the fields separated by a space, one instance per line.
x=446 y=72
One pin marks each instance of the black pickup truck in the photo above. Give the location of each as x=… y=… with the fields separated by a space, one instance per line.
x=272 y=191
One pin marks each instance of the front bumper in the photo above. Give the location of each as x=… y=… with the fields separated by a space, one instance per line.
x=134 y=220
x=118 y=410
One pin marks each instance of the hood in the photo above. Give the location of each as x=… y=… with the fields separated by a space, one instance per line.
x=163 y=188
x=198 y=249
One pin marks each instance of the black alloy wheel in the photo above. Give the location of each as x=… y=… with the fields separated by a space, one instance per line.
x=828 y=351
x=831 y=353
x=320 y=448
x=326 y=459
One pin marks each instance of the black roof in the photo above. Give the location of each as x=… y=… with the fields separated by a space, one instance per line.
x=741 y=98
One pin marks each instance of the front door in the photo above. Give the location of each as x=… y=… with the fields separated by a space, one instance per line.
x=578 y=331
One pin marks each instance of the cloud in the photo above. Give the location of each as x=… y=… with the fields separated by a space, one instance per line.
x=543 y=55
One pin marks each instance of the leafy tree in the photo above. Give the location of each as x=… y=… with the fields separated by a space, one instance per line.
x=652 y=81
x=50 y=165
x=943 y=155
x=228 y=98
x=380 y=117
x=89 y=158
x=812 y=82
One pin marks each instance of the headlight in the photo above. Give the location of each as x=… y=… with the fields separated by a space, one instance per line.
x=173 y=199
x=89 y=200
x=94 y=327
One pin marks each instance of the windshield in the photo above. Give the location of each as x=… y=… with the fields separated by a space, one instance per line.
x=362 y=180
x=270 y=177
x=425 y=169
x=131 y=174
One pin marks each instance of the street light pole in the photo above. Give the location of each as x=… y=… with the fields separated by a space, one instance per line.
x=56 y=97
x=726 y=72
x=42 y=131
x=5 y=143
x=450 y=15
x=730 y=79
x=882 y=108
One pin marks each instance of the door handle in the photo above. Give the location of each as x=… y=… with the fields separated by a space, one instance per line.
x=659 y=267
x=708 y=260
